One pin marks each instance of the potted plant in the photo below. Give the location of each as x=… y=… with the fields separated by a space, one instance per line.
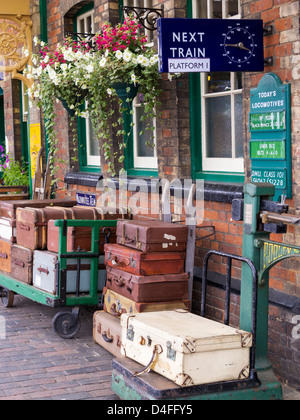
x=121 y=64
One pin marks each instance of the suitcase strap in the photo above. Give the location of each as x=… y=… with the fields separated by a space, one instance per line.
x=156 y=351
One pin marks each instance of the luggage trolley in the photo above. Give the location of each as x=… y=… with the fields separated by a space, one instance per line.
x=65 y=323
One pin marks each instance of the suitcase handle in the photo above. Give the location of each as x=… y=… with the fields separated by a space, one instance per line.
x=120 y=282
x=114 y=312
x=24 y=227
x=4 y=256
x=156 y=351
x=121 y=263
x=43 y=270
x=19 y=263
x=105 y=338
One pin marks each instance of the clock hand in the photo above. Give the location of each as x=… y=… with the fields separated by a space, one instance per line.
x=240 y=45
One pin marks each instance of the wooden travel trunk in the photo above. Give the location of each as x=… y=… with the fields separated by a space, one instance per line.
x=152 y=236
x=21 y=264
x=167 y=287
x=9 y=208
x=107 y=332
x=5 y=255
x=186 y=348
x=116 y=304
x=46 y=273
x=8 y=229
x=32 y=225
x=143 y=263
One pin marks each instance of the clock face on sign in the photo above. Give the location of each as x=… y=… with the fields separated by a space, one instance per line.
x=239 y=44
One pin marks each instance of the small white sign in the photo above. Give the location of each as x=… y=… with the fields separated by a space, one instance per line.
x=189 y=65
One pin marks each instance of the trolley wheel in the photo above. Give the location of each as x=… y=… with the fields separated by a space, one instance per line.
x=7 y=297
x=67 y=324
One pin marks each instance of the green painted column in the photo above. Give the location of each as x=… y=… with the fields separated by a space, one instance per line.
x=253 y=195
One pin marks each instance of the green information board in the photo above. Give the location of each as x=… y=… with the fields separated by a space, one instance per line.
x=267 y=149
x=268 y=121
x=270 y=127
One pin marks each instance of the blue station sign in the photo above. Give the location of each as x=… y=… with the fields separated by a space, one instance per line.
x=210 y=45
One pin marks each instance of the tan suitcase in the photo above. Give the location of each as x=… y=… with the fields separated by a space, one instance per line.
x=21 y=264
x=5 y=255
x=116 y=304
x=107 y=332
x=186 y=348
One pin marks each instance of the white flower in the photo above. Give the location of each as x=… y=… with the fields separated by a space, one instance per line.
x=103 y=62
x=36 y=94
x=90 y=68
x=106 y=53
x=64 y=67
x=140 y=59
x=109 y=91
x=133 y=78
x=154 y=59
x=145 y=62
x=119 y=55
x=85 y=114
x=46 y=59
x=26 y=53
x=127 y=56
x=35 y=40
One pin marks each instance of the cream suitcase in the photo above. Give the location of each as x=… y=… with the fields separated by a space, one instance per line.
x=186 y=348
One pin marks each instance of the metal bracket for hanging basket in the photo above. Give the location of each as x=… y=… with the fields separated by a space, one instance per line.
x=147 y=17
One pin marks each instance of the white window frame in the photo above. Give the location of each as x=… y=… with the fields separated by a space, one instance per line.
x=142 y=162
x=90 y=159
x=234 y=164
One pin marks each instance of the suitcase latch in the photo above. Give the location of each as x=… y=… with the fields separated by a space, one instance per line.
x=171 y=353
x=130 y=333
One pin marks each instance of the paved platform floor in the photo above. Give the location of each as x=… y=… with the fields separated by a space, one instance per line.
x=35 y=364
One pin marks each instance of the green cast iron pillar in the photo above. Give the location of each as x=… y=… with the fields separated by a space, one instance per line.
x=253 y=193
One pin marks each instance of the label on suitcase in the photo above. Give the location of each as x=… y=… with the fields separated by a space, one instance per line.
x=116 y=304
x=9 y=208
x=46 y=273
x=148 y=288
x=143 y=263
x=5 y=255
x=107 y=332
x=21 y=264
x=152 y=236
x=186 y=348
x=8 y=229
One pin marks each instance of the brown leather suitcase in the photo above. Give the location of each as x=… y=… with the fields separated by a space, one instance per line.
x=79 y=237
x=21 y=264
x=116 y=304
x=152 y=236
x=32 y=225
x=143 y=263
x=5 y=255
x=161 y=288
x=9 y=208
x=107 y=332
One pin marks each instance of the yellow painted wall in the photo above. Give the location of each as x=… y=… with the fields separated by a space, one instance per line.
x=15 y=7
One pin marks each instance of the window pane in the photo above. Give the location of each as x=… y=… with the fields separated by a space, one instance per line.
x=218 y=127
x=217 y=9
x=93 y=142
x=239 y=132
x=233 y=7
x=145 y=147
x=218 y=82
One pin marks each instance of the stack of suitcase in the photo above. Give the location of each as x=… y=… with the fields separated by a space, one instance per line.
x=29 y=242
x=16 y=260
x=145 y=273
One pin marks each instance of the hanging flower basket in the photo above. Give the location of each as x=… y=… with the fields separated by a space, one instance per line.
x=126 y=92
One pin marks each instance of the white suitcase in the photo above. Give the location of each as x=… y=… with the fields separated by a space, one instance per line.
x=186 y=348
x=45 y=273
x=8 y=229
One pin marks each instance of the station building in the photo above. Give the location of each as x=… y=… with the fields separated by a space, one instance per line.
x=203 y=133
